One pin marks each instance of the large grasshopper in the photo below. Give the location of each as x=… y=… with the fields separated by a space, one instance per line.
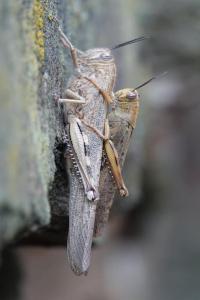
x=85 y=104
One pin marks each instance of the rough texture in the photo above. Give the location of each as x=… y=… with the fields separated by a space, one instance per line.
x=25 y=150
x=34 y=67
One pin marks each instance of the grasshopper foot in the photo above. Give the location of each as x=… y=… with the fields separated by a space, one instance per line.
x=123 y=192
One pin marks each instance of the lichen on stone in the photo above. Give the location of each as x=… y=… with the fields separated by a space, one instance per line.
x=38 y=23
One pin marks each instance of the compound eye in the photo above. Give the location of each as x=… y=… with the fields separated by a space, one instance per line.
x=106 y=56
x=131 y=95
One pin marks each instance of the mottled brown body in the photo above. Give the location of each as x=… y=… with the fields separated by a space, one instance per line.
x=122 y=121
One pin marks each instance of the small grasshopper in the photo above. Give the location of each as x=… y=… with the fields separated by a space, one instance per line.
x=122 y=121
x=85 y=104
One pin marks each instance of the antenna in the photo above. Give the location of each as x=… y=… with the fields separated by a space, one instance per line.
x=151 y=79
x=139 y=39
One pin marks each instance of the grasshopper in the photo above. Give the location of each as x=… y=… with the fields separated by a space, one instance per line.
x=122 y=121
x=85 y=105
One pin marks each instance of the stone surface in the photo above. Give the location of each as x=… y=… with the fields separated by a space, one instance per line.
x=34 y=68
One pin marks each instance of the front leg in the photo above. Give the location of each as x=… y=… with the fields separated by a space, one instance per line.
x=72 y=97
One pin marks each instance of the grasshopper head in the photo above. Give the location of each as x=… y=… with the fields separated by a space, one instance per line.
x=131 y=95
x=128 y=105
x=97 y=55
x=127 y=95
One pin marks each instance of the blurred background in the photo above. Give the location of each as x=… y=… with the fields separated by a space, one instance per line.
x=151 y=249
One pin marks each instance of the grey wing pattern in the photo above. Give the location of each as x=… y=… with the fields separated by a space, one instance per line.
x=81 y=209
x=81 y=225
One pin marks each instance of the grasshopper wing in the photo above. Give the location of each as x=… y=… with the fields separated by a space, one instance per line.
x=81 y=225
